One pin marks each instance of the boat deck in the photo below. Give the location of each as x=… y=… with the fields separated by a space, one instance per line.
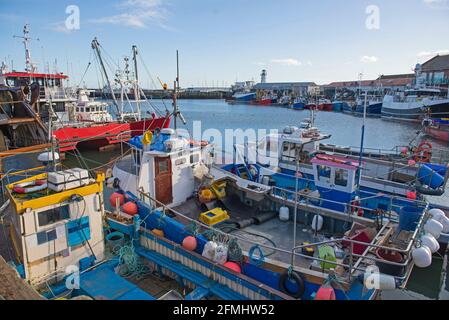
x=271 y=231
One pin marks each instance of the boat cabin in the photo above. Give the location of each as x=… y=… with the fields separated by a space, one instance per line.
x=165 y=167
x=56 y=222
x=335 y=179
x=91 y=111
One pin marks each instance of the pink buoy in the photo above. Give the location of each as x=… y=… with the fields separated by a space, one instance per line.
x=325 y=293
x=130 y=208
x=233 y=266
x=411 y=195
x=411 y=163
x=113 y=199
x=189 y=243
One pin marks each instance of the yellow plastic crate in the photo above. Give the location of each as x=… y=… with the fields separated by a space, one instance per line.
x=214 y=216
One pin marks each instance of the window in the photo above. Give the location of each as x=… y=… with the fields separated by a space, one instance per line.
x=324 y=172
x=194 y=158
x=341 y=177
x=51 y=216
x=180 y=161
x=163 y=166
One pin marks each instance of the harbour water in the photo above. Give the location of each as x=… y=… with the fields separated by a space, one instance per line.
x=430 y=283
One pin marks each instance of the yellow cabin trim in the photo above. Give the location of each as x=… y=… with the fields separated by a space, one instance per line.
x=53 y=199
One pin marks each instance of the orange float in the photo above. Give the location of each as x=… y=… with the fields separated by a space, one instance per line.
x=130 y=208
x=113 y=199
x=189 y=243
x=233 y=266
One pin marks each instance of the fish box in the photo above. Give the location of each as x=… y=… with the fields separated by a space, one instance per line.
x=67 y=179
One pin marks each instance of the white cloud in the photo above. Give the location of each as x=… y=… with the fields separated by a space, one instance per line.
x=137 y=14
x=286 y=62
x=429 y=54
x=369 y=59
x=437 y=4
x=59 y=27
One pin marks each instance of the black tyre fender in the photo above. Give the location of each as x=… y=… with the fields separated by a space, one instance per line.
x=298 y=279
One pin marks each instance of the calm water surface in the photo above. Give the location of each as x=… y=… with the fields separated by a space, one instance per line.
x=430 y=283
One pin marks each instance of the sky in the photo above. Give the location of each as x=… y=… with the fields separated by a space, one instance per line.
x=222 y=41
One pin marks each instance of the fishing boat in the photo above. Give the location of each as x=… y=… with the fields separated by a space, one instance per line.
x=373 y=106
x=55 y=104
x=298 y=104
x=325 y=105
x=245 y=97
x=338 y=106
x=437 y=128
x=413 y=104
x=261 y=244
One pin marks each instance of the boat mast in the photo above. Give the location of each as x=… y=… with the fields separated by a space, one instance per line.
x=362 y=141
x=96 y=47
x=136 y=86
x=29 y=65
x=176 y=112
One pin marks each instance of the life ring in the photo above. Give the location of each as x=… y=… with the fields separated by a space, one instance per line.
x=296 y=279
x=424 y=152
x=202 y=143
x=355 y=206
x=30 y=187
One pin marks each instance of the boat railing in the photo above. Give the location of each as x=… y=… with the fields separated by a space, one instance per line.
x=349 y=207
x=439 y=155
x=361 y=265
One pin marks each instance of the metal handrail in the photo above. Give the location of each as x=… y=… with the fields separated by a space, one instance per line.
x=293 y=252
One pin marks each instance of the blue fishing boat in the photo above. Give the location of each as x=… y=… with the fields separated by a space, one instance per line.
x=252 y=207
x=299 y=104
x=373 y=106
x=339 y=106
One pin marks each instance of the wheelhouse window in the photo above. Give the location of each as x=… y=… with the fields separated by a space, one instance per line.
x=163 y=166
x=341 y=177
x=324 y=172
x=54 y=215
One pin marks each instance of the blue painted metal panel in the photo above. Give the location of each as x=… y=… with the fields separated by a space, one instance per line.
x=78 y=231
x=104 y=283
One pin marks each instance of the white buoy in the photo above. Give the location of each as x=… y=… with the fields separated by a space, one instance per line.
x=47 y=156
x=429 y=241
x=284 y=214
x=422 y=257
x=433 y=227
x=209 y=250
x=379 y=281
x=436 y=214
x=317 y=223
x=445 y=222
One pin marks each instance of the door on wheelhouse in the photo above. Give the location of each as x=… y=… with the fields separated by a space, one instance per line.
x=163 y=180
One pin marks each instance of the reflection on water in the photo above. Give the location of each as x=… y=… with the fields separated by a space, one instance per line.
x=430 y=283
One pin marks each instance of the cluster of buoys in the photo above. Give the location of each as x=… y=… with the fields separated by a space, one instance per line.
x=218 y=253
x=128 y=207
x=428 y=244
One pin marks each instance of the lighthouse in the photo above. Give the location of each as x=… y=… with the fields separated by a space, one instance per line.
x=263 y=76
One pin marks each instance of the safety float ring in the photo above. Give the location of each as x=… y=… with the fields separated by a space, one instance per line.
x=424 y=152
x=30 y=187
x=297 y=279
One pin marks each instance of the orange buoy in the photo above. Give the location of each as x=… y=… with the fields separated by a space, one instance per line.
x=113 y=199
x=189 y=243
x=158 y=232
x=233 y=266
x=325 y=293
x=130 y=208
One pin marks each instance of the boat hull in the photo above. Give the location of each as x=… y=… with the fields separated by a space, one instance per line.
x=101 y=135
x=373 y=109
x=438 y=133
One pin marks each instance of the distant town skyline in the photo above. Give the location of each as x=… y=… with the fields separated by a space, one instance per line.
x=221 y=42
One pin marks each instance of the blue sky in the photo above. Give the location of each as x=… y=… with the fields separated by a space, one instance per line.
x=221 y=41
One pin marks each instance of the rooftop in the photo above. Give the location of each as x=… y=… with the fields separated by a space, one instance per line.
x=437 y=63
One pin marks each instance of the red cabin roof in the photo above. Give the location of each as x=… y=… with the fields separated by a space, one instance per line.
x=35 y=75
